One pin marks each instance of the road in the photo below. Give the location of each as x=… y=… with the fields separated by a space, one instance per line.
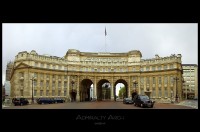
x=95 y=105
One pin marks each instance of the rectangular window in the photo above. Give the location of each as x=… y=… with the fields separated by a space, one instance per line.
x=59 y=77
x=142 y=80
x=59 y=93
x=160 y=92
x=59 y=84
x=47 y=83
x=53 y=93
x=65 y=77
x=35 y=83
x=41 y=83
x=21 y=92
x=47 y=93
x=41 y=92
x=54 y=76
x=171 y=66
x=42 y=76
x=142 y=91
x=154 y=80
x=165 y=67
x=147 y=80
x=54 y=67
x=154 y=93
x=65 y=93
x=60 y=67
x=21 y=74
x=42 y=65
x=166 y=80
x=166 y=93
x=133 y=68
x=153 y=68
x=65 y=84
x=159 y=80
x=159 y=67
x=36 y=64
x=35 y=92
x=35 y=74
x=171 y=80
x=53 y=84
x=47 y=76
x=48 y=66
x=21 y=83
x=147 y=68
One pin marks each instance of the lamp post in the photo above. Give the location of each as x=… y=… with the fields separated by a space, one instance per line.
x=135 y=83
x=171 y=96
x=72 y=89
x=32 y=79
x=176 y=79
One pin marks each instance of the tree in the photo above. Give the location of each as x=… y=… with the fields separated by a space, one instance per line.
x=122 y=92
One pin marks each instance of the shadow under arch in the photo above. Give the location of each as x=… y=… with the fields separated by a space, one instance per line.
x=99 y=90
x=85 y=86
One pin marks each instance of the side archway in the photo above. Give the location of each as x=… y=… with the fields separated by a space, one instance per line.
x=85 y=90
x=125 y=85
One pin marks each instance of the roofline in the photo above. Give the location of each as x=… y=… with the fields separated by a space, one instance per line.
x=189 y=65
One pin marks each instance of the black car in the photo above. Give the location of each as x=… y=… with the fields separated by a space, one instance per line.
x=59 y=100
x=45 y=101
x=127 y=101
x=143 y=101
x=20 y=101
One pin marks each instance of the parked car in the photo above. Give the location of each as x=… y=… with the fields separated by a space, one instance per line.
x=20 y=101
x=45 y=101
x=59 y=100
x=127 y=101
x=143 y=101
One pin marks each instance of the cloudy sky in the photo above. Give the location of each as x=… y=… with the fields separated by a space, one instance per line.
x=56 y=39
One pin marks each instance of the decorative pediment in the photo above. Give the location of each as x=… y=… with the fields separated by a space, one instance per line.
x=21 y=66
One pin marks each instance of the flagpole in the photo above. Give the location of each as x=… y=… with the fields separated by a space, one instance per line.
x=105 y=38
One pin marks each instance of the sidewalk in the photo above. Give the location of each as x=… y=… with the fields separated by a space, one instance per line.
x=189 y=103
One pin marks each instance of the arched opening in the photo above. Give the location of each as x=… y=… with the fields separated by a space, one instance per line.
x=119 y=91
x=103 y=90
x=86 y=90
x=124 y=87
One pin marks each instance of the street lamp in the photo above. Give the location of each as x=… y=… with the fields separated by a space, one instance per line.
x=135 y=83
x=176 y=79
x=32 y=79
x=72 y=89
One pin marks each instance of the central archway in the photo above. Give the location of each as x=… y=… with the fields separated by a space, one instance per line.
x=103 y=90
x=85 y=90
x=125 y=85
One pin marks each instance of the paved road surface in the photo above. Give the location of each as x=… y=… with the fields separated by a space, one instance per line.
x=96 y=105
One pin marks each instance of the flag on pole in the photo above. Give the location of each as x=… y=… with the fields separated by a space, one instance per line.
x=105 y=31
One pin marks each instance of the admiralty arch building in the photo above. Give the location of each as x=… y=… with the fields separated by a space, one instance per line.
x=72 y=75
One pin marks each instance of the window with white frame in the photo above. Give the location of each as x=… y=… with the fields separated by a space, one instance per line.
x=165 y=67
x=159 y=67
x=48 y=66
x=171 y=66
x=133 y=68
x=42 y=65
x=153 y=68
x=36 y=64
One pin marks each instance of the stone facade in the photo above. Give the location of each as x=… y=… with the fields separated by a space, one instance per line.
x=72 y=75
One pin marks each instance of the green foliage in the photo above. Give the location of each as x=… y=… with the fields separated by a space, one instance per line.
x=122 y=92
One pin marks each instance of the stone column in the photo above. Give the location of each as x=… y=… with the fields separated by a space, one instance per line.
x=78 y=95
x=95 y=88
x=129 y=87
x=112 y=90
x=68 y=84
